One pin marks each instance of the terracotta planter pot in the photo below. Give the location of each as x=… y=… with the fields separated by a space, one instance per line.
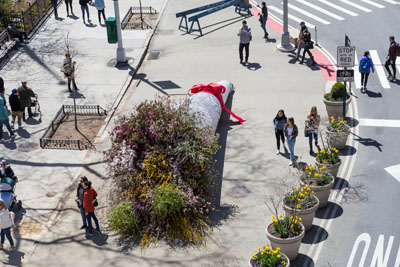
x=283 y=257
x=330 y=168
x=337 y=140
x=321 y=192
x=335 y=109
x=289 y=246
x=307 y=215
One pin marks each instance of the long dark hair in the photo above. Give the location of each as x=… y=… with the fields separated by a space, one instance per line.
x=291 y=120
x=88 y=184
x=283 y=116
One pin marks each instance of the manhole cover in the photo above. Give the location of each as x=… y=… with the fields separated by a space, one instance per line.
x=154 y=55
x=50 y=194
x=165 y=32
x=238 y=191
x=27 y=147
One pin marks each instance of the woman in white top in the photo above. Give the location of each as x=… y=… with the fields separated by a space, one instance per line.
x=6 y=221
x=291 y=133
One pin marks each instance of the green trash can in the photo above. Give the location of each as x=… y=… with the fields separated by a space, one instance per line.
x=111 y=26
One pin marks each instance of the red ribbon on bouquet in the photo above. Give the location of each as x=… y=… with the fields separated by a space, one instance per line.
x=216 y=90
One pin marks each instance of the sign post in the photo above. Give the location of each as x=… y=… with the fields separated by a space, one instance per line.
x=345 y=59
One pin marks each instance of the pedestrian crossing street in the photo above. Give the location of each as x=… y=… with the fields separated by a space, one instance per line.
x=380 y=71
x=325 y=12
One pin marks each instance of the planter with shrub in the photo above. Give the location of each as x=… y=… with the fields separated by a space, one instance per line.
x=329 y=158
x=334 y=100
x=269 y=258
x=337 y=132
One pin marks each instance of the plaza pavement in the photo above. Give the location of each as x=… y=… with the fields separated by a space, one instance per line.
x=247 y=160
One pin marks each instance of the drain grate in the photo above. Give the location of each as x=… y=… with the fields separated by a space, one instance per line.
x=154 y=55
x=238 y=192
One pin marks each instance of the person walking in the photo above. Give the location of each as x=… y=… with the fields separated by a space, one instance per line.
x=300 y=42
x=291 y=133
x=100 y=6
x=89 y=199
x=68 y=69
x=245 y=38
x=391 y=59
x=84 y=7
x=54 y=3
x=364 y=67
x=263 y=18
x=6 y=222
x=279 y=121
x=79 y=200
x=68 y=5
x=15 y=31
x=25 y=96
x=2 y=89
x=6 y=170
x=16 y=108
x=308 y=44
x=311 y=127
x=4 y=120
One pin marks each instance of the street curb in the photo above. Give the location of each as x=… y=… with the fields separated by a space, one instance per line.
x=125 y=87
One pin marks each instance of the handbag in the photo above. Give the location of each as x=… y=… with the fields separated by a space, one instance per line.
x=95 y=202
x=310 y=45
x=306 y=132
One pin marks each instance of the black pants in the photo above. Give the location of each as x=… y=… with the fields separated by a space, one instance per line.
x=393 y=67
x=29 y=113
x=20 y=35
x=55 y=4
x=307 y=50
x=70 y=79
x=279 y=136
x=246 y=47
x=364 y=79
x=68 y=4
x=101 y=12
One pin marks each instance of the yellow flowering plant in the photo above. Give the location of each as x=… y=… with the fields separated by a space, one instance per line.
x=328 y=155
x=286 y=226
x=316 y=176
x=338 y=125
x=268 y=257
x=300 y=198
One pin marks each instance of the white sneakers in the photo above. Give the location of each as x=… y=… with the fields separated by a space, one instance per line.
x=290 y=163
x=277 y=152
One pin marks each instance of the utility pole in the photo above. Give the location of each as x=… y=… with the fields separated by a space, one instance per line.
x=285 y=45
x=121 y=55
x=347 y=43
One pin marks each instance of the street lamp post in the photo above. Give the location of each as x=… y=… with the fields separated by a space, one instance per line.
x=121 y=55
x=285 y=45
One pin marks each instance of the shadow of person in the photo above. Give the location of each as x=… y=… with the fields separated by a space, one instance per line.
x=10 y=144
x=60 y=19
x=373 y=94
x=23 y=133
x=14 y=258
x=90 y=25
x=77 y=95
x=270 y=40
x=73 y=16
x=100 y=239
x=32 y=121
x=253 y=66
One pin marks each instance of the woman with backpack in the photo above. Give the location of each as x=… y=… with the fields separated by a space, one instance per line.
x=364 y=67
x=89 y=202
x=308 y=44
x=279 y=124
x=6 y=222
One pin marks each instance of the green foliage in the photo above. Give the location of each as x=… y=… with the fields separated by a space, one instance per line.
x=123 y=219
x=167 y=201
x=337 y=92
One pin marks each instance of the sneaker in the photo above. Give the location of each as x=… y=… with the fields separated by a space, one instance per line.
x=12 y=248
x=316 y=143
x=389 y=77
x=1 y=246
x=83 y=227
x=27 y=41
x=290 y=163
x=393 y=79
x=12 y=136
x=311 y=152
x=277 y=152
x=20 y=126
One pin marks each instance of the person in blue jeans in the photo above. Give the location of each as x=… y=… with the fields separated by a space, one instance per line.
x=54 y=3
x=84 y=7
x=291 y=133
x=100 y=9
x=263 y=18
x=79 y=200
x=6 y=222
x=279 y=124
x=364 y=67
x=4 y=120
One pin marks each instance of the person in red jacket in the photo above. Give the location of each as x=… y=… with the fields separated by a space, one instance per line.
x=89 y=198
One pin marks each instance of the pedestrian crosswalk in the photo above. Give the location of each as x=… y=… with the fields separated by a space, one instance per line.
x=325 y=12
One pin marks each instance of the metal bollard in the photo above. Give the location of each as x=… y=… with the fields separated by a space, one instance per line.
x=316 y=37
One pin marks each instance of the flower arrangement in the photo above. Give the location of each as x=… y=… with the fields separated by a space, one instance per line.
x=300 y=198
x=163 y=166
x=328 y=155
x=338 y=125
x=316 y=176
x=286 y=226
x=268 y=258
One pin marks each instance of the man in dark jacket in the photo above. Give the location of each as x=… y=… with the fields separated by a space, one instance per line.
x=15 y=32
x=16 y=108
x=263 y=18
x=6 y=170
x=391 y=59
x=300 y=41
x=25 y=96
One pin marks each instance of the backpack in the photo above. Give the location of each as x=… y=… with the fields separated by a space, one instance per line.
x=398 y=50
x=364 y=65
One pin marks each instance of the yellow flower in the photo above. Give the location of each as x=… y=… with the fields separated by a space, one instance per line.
x=258 y=248
x=278 y=256
x=313 y=167
x=337 y=131
x=298 y=206
x=255 y=251
x=267 y=247
x=283 y=262
x=299 y=219
x=278 y=248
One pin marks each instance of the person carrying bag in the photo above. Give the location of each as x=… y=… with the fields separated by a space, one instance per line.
x=6 y=222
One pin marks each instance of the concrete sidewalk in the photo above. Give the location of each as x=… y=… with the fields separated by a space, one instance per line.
x=45 y=175
x=247 y=159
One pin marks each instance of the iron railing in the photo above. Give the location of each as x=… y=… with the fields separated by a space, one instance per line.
x=141 y=24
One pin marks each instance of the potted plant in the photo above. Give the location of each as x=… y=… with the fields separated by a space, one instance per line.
x=286 y=233
x=302 y=202
x=334 y=100
x=269 y=258
x=319 y=181
x=337 y=132
x=329 y=157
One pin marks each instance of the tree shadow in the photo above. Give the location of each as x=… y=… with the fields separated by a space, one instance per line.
x=160 y=86
x=368 y=142
x=38 y=60
x=302 y=260
x=315 y=235
x=325 y=212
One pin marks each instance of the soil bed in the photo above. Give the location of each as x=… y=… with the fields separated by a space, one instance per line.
x=134 y=22
x=273 y=232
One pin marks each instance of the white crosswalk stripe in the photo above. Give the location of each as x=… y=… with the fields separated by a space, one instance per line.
x=333 y=15
x=309 y=14
x=379 y=69
x=373 y=3
x=357 y=75
x=338 y=8
x=392 y=2
x=356 y=5
x=298 y=20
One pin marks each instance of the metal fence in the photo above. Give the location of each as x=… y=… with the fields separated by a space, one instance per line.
x=137 y=10
x=51 y=143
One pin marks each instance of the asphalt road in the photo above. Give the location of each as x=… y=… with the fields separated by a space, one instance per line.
x=364 y=229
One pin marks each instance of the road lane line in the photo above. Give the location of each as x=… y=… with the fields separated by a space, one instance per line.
x=308 y=14
x=392 y=2
x=379 y=69
x=322 y=10
x=379 y=123
x=366 y=238
x=357 y=75
x=356 y=5
x=298 y=20
x=373 y=3
x=351 y=13
x=394 y=171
